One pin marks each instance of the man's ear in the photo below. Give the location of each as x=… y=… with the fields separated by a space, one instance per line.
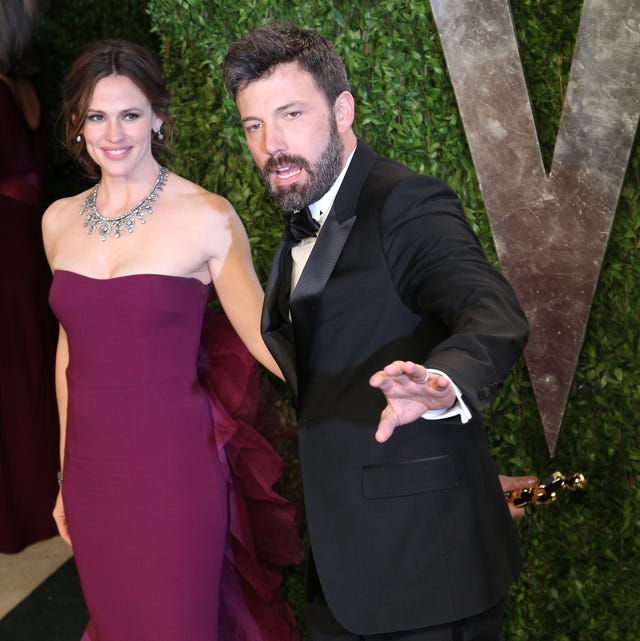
x=344 y=111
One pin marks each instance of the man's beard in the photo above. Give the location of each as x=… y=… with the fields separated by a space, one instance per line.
x=322 y=174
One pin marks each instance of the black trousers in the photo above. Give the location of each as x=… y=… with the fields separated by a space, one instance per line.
x=322 y=625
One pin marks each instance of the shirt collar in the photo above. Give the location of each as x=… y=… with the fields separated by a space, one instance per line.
x=325 y=203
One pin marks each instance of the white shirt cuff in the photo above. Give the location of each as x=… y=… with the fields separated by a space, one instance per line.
x=459 y=408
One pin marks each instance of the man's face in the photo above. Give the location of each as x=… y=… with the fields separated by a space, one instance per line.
x=292 y=135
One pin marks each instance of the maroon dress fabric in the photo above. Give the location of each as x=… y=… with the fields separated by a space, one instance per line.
x=162 y=474
x=28 y=417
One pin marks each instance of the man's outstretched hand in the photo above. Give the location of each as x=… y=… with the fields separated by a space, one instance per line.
x=410 y=391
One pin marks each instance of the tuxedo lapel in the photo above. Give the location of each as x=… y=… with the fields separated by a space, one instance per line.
x=326 y=251
x=314 y=277
x=276 y=326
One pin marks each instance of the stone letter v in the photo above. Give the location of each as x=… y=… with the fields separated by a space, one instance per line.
x=551 y=231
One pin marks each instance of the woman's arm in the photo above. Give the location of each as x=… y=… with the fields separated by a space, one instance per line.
x=62 y=361
x=239 y=290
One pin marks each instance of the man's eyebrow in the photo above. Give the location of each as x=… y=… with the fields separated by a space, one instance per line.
x=289 y=105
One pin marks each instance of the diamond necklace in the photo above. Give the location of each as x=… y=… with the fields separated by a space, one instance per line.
x=105 y=225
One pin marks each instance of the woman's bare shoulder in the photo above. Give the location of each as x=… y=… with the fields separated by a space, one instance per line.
x=197 y=202
x=61 y=215
x=63 y=207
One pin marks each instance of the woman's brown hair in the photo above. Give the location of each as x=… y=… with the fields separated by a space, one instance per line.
x=106 y=58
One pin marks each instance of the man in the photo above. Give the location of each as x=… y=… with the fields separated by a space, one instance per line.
x=393 y=332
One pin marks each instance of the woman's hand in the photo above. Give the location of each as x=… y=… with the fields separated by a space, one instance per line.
x=61 y=520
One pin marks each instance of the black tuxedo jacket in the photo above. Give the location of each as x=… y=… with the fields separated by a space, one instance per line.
x=413 y=532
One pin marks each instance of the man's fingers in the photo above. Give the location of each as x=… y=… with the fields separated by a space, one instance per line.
x=517 y=482
x=383 y=433
x=386 y=426
x=440 y=383
x=516 y=512
x=514 y=484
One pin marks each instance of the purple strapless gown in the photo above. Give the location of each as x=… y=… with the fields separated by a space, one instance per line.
x=144 y=492
x=146 y=487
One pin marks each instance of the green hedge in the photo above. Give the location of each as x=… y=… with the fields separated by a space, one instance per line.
x=581 y=576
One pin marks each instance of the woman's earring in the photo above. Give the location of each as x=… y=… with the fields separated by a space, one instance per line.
x=79 y=138
x=159 y=134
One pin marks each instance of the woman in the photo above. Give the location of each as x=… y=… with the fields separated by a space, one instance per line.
x=28 y=416
x=144 y=493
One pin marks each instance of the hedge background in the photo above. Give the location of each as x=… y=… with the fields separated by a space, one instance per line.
x=581 y=580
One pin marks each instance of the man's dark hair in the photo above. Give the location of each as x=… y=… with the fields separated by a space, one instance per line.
x=257 y=53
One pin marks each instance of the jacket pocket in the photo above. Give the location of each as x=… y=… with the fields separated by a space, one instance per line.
x=409 y=477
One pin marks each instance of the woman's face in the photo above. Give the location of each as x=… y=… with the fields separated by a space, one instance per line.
x=118 y=126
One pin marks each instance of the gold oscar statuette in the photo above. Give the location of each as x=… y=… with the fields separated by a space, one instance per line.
x=546 y=492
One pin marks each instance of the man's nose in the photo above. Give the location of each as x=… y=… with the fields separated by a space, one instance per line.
x=273 y=139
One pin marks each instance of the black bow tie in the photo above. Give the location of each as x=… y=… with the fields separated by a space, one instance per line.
x=300 y=225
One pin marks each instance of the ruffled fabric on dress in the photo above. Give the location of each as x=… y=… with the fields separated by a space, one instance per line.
x=263 y=529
